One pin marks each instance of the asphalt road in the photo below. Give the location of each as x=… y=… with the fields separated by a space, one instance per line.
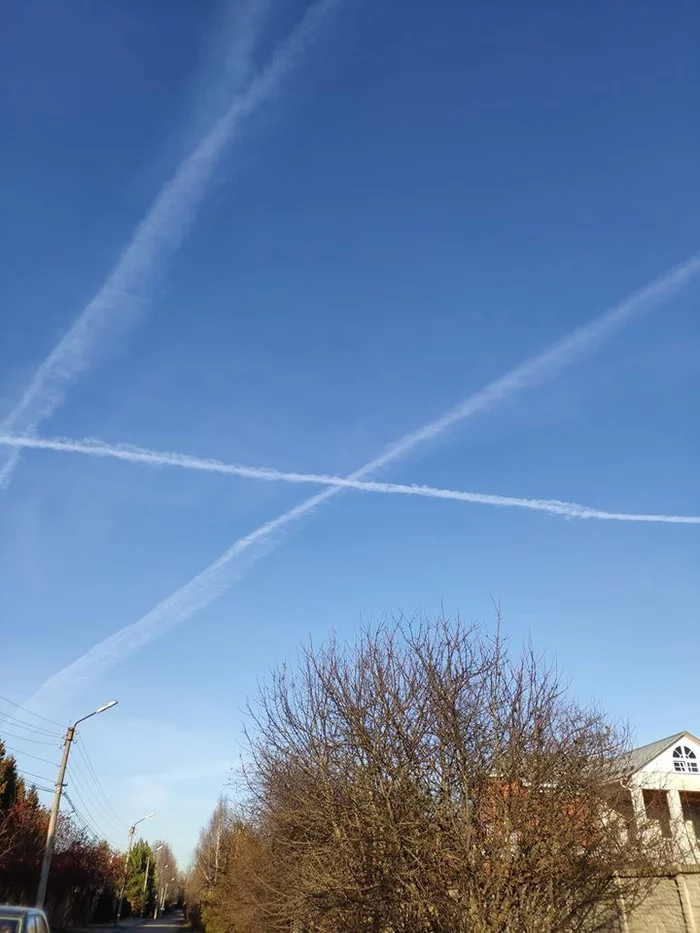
x=169 y=922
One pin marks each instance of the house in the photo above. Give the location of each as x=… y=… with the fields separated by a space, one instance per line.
x=660 y=790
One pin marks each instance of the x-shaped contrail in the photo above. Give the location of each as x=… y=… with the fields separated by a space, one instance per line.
x=219 y=575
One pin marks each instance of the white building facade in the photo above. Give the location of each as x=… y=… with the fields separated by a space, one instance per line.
x=662 y=781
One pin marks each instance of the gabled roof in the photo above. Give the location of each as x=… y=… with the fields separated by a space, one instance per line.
x=638 y=757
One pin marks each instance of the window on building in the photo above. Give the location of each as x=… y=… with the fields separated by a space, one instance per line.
x=685 y=759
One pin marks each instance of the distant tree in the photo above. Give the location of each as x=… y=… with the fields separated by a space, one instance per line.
x=220 y=886
x=209 y=855
x=200 y=885
x=238 y=900
x=141 y=878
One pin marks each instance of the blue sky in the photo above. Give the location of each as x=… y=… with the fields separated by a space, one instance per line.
x=423 y=198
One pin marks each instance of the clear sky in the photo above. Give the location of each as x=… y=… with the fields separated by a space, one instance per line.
x=414 y=200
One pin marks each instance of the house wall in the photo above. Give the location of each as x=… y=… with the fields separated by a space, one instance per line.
x=672 y=907
x=681 y=791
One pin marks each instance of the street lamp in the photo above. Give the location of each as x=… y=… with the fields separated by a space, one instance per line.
x=60 y=783
x=132 y=830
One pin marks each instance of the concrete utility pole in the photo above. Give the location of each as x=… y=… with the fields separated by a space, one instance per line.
x=145 y=880
x=161 y=895
x=132 y=830
x=165 y=893
x=53 y=819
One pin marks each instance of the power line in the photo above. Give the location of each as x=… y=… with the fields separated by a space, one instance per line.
x=93 y=774
x=26 y=738
x=31 y=712
x=31 y=726
x=81 y=788
x=19 y=751
x=82 y=818
x=106 y=812
x=79 y=816
x=80 y=744
x=94 y=831
x=18 y=723
x=31 y=774
x=87 y=814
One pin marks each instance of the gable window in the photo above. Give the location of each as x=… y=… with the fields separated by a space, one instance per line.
x=685 y=759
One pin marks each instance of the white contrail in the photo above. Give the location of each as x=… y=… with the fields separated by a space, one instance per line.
x=218 y=576
x=125 y=292
x=130 y=454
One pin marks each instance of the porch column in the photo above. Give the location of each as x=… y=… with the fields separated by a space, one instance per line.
x=640 y=811
x=683 y=830
x=675 y=810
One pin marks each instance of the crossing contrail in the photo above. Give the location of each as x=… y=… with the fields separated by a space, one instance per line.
x=215 y=579
x=130 y=454
x=125 y=292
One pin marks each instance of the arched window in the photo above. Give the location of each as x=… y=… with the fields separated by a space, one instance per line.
x=685 y=759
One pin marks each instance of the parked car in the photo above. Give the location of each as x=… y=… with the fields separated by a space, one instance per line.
x=22 y=919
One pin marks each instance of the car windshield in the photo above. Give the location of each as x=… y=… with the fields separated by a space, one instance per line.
x=9 y=924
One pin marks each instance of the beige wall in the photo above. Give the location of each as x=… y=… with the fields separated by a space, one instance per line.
x=672 y=907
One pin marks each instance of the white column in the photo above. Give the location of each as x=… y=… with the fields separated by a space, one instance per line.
x=640 y=811
x=675 y=808
x=679 y=827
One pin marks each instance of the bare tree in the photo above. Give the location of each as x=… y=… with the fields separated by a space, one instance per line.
x=222 y=886
x=210 y=855
x=424 y=780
